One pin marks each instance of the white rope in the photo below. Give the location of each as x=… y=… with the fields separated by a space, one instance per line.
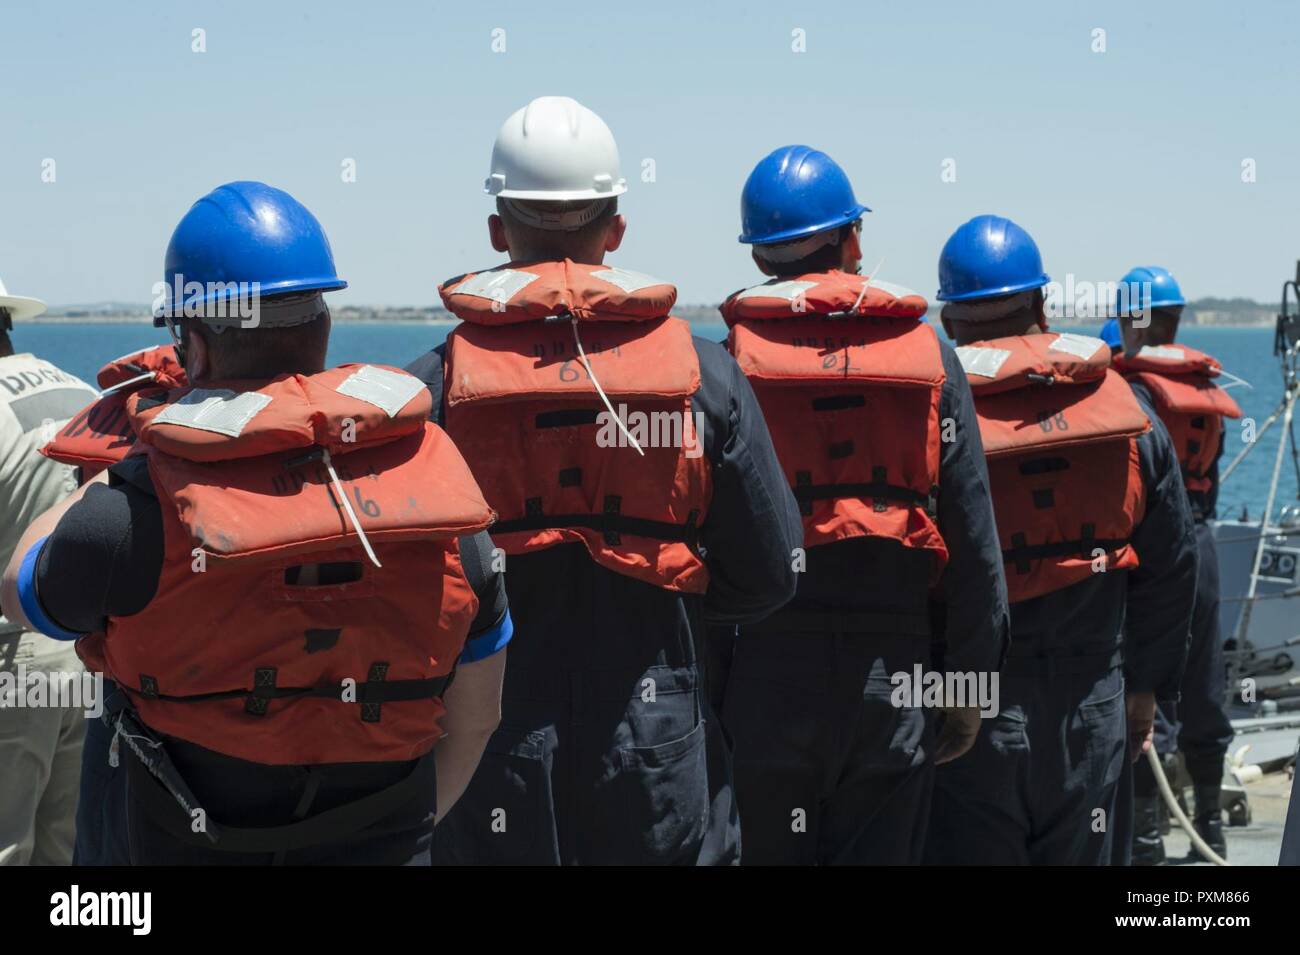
x=347 y=508
x=865 y=283
x=1171 y=801
x=599 y=390
x=148 y=375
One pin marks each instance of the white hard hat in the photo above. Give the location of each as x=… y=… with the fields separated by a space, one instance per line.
x=554 y=149
x=19 y=306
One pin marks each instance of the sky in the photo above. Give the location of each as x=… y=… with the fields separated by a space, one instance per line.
x=1131 y=154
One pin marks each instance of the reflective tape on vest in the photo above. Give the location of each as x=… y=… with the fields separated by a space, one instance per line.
x=217 y=410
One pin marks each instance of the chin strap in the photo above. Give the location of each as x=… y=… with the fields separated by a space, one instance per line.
x=177 y=340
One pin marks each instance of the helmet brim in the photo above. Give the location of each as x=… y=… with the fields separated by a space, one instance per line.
x=562 y=195
x=790 y=234
x=323 y=284
x=995 y=292
x=21 y=307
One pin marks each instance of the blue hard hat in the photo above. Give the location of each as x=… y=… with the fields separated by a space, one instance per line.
x=795 y=191
x=246 y=232
x=987 y=257
x=1110 y=334
x=1146 y=287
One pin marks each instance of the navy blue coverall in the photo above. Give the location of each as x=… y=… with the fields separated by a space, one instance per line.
x=828 y=769
x=1040 y=786
x=587 y=767
x=104 y=559
x=1196 y=723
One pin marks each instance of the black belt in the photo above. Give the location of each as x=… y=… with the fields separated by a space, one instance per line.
x=843 y=621
x=159 y=786
x=1062 y=663
x=151 y=756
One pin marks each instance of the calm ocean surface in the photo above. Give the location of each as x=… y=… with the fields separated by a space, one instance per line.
x=1246 y=352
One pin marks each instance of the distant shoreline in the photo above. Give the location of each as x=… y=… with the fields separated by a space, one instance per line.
x=1212 y=314
x=146 y=320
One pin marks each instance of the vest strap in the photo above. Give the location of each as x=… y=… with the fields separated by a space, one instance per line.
x=1022 y=554
x=879 y=490
x=374 y=691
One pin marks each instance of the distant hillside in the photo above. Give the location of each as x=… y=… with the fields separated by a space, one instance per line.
x=427 y=314
x=1230 y=311
x=98 y=311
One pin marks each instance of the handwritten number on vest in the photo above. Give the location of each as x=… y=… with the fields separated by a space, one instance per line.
x=1052 y=421
x=832 y=361
x=367 y=506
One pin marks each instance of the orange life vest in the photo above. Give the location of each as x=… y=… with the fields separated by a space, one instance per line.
x=849 y=381
x=1192 y=406
x=101 y=435
x=233 y=653
x=522 y=406
x=1060 y=434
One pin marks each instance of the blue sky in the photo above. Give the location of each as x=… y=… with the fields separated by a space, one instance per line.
x=1110 y=159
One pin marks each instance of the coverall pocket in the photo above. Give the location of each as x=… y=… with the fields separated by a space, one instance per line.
x=892 y=737
x=658 y=798
x=1104 y=720
x=507 y=814
x=1008 y=732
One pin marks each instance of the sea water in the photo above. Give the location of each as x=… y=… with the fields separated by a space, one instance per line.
x=1246 y=352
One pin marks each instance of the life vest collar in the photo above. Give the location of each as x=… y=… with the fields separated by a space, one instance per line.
x=1181 y=380
x=101 y=433
x=157 y=365
x=525 y=292
x=342 y=409
x=1019 y=361
x=1169 y=360
x=822 y=293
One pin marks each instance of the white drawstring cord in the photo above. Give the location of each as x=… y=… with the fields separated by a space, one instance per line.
x=599 y=390
x=114 y=747
x=347 y=507
x=1235 y=381
x=865 y=283
x=130 y=381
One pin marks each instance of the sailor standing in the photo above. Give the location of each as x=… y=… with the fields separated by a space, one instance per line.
x=1100 y=567
x=40 y=745
x=1178 y=382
